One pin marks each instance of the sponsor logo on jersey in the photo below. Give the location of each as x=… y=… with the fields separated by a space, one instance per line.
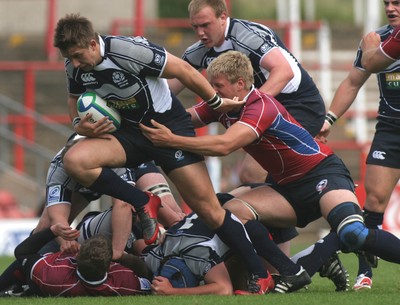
x=321 y=185
x=88 y=78
x=179 y=155
x=380 y=155
x=54 y=194
x=124 y=104
x=393 y=81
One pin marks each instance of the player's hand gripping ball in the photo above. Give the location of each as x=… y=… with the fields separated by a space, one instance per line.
x=90 y=102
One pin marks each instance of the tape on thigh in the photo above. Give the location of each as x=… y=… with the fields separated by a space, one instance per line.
x=247 y=205
x=160 y=189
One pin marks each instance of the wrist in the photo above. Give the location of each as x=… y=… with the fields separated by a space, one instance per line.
x=75 y=121
x=215 y=102
x=331 y=117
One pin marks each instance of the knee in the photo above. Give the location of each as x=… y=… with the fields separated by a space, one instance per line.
x=352 y=236
x=347 y=220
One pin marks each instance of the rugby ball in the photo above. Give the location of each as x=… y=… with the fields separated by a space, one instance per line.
x=90 y=102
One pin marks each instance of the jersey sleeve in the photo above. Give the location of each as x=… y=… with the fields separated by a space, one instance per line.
x=205 y=113
x=391 y=46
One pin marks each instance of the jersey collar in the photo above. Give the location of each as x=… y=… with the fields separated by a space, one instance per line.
x=92 y=283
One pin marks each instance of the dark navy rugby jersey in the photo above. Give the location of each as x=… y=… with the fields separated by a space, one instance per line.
x=254 y=40
x=388 y=81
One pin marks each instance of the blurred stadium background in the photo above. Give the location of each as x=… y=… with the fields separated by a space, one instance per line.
x=34 y=124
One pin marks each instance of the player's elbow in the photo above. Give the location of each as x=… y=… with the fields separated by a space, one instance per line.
x=224 y=149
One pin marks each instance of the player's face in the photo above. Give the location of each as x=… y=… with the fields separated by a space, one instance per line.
x=209 y=28
x=224 y=87
x=392 y=10
x=84 y=58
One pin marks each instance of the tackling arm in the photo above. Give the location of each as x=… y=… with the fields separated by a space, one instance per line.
x=235 y=137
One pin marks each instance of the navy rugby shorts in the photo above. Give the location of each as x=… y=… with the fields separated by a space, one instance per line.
x=385 y=147
x=304 y=194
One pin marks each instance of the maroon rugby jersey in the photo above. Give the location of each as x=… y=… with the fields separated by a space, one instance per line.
x=391 y=46
x=56 y=275
x=285 y=149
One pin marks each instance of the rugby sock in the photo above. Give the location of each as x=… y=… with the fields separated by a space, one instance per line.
x=13 y=275
x=267 y=248
x=232 y=233
x=372 y=220
x=109 y=183
x=383 y=244
x=317 y=254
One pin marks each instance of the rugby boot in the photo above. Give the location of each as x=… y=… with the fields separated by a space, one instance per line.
x=148 y=218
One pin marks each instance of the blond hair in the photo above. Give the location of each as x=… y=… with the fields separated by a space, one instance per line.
x=233 y=65
x=219 y=6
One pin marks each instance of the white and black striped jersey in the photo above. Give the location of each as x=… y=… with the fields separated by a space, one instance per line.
x=127 y=78
x=254 y=40
x=194 y=242
x=60 y=186
x=388 y=81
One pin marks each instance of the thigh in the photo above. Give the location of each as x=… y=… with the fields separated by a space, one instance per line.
x=270 y=206
x=194 y=185
x=379 y=184
x=96 y=152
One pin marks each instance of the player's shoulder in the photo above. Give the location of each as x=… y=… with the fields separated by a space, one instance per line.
x=196 y=48
x=384 y=31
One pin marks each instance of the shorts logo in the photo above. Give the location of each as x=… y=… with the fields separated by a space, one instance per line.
x=380 y=155
x=321 y=185
x=179 y=155
x=54 y=194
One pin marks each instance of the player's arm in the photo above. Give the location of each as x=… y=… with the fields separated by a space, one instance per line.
x=83 y=126
x=35 y=242
x=373 y=58
x=216 y=281
x=280 y=72
x=344 y=97
x=136 y=264
x=235 y=137
x=175 y=86
x=188 y=76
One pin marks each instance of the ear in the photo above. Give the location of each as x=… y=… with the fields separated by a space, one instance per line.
x=93 y=44
x=223 y=17
x=240 y=84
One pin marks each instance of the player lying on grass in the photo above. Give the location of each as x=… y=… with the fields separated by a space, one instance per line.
x=90 y=272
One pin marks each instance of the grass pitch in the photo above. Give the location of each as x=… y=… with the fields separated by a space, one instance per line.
x=386 y=289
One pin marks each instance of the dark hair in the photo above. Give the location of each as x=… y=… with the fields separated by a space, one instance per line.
x=94 y=258
x=73 y=31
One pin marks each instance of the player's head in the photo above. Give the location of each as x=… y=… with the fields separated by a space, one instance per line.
x=178 y=273
x=76 y=39
x=208 y=19
x=94 y=258
x=218 y=6
x=231 y=74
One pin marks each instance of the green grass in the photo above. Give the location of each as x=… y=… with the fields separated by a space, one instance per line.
x=386 y=289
